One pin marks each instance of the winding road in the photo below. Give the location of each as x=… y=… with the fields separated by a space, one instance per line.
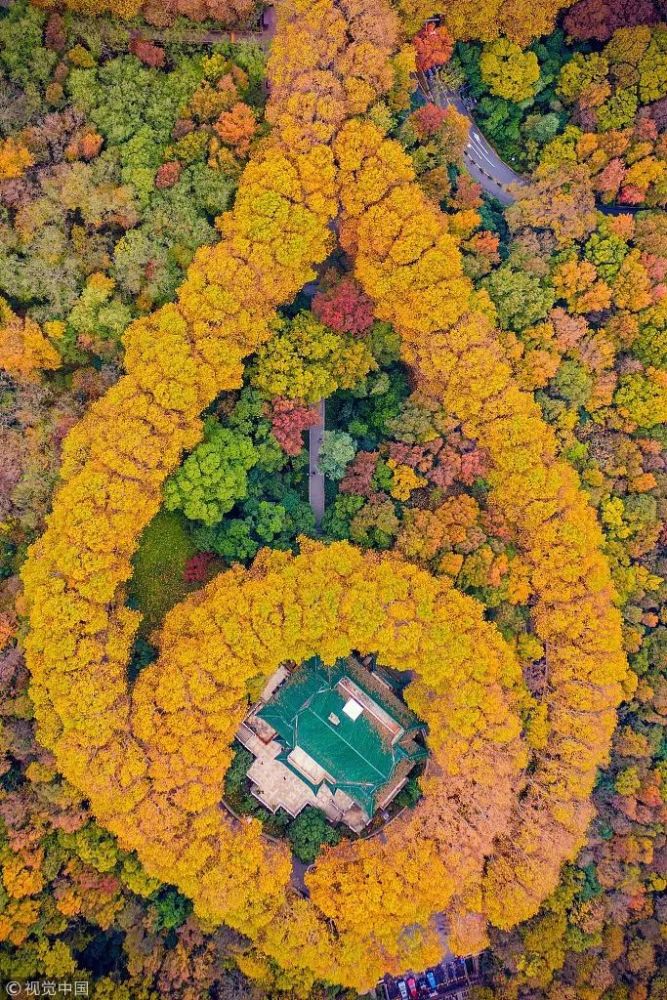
x=483 y=163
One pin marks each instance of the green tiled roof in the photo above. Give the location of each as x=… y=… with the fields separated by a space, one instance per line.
x=351 y=751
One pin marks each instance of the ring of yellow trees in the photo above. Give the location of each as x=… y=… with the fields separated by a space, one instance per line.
x=231 y=636
x=151 y=758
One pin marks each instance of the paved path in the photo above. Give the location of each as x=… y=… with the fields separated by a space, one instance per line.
x=315 y=477
x=297 y=881
x=262 y=34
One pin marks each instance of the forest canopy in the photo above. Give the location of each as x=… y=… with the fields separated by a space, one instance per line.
x=335 y=328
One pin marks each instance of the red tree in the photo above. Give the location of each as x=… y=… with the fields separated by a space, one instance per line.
x=599 y=19
x=151 y=55
x=344 y=308
x=167 y=174
x=468 y=194
x=359 y=476
x=428 y=119
x=197 y=567
x=55 y=35
x=289 y=419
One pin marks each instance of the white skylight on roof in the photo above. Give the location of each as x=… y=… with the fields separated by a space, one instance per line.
x=352 y=709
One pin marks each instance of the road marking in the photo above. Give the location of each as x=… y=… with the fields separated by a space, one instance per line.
x=481 y=151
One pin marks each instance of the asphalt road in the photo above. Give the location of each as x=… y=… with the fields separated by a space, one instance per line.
x=484 y=165
x=482 y=161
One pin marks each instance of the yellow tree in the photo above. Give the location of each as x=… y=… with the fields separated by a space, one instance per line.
x=410 y=265
x=24 y=350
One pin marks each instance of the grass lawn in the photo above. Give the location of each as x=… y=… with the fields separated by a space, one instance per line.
x=157 y=583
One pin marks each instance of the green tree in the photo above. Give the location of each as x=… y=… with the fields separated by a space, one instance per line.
x=573 y=383
x=159 y=565
x=384 y=342
x=521 y=298
x=124 y=98
x=214 y=477
x=337 y=451
x=651 y=343
x=607 y=251
x=541 y=128
x=375 y=525
x=232 y=540
x=277 y=523
x=22 y=53
x=170 y=908
x=98 y=313
x=338 y=515
x=309 y=832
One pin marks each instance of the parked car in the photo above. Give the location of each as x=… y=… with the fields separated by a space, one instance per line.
x=402 y=989
x=431 y=980
x=411 y=984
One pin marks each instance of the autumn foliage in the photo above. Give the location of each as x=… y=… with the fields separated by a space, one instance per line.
x=506 y=796
x=236 y=127
x=24 y=350
x=599 y=19
x=344 y=308
x=15 y=159
x=289 y=419
x=162 y=13
x=458 y=360
x=434 y=46
x=486 y=20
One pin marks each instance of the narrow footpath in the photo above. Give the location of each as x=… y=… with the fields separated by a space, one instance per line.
x=315 y=476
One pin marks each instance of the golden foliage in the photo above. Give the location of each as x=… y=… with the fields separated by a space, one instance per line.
x=14 y=159
x=151 y=759
x=24 y=350
x=409 y=263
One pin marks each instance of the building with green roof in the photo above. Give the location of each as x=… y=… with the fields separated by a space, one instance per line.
x=337 y=738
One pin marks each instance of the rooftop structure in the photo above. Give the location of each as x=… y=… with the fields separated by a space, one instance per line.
x=336 y=738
